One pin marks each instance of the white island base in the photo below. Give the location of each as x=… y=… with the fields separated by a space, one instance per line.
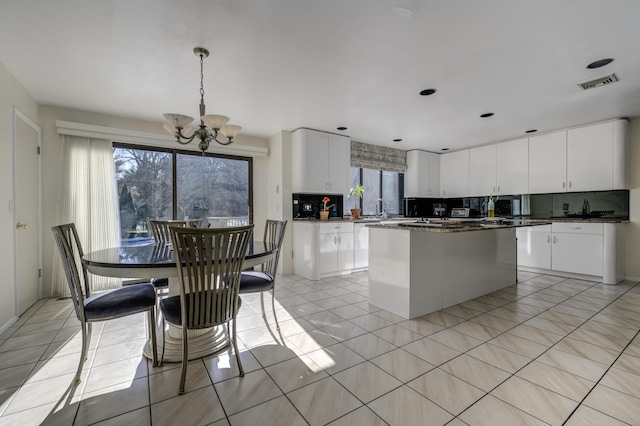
x=413 y=272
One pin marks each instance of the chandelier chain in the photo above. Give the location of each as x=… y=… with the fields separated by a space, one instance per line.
x=201 y=76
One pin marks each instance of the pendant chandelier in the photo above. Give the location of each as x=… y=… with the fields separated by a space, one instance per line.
x=210 y=126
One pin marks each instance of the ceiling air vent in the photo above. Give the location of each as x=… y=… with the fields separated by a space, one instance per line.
x=600 y=81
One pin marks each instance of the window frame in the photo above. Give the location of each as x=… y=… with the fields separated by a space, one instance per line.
x=174 y=173
x=400 y=188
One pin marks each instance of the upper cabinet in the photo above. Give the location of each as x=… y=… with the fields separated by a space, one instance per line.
x=482 y=171
x=422 y=178
x=512 y=172
x=589 y=158
x=499 y=169
x=596 y=157
x=548 y=163
x=454 y=168
x=320 y=162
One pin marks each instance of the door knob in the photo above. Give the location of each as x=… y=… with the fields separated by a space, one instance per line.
x=22 y=226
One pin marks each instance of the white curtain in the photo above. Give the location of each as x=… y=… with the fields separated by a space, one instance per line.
x=88 y=197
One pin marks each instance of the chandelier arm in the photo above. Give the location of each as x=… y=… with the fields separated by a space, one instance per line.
x=180 y=137
x=228 y=142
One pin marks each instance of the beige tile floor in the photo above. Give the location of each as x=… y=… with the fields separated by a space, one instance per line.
x=548 y=350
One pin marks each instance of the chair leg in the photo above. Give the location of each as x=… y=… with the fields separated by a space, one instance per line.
x=86 y=339
x=152 y=331
x=235 y=349
x=185 y=360
x=264 y=314
x=273 y=306
x=164 y=325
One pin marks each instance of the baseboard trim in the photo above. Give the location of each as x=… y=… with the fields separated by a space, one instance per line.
x=8 y=324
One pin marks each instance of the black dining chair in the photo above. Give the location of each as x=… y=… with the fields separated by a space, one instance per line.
x=265 y=279
x=209 y=263
x=102 y=306
x=160 y=233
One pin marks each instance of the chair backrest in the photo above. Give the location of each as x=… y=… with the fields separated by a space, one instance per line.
x=274 y=234
x=209 y=263
x=70 y=249
x=160 y=228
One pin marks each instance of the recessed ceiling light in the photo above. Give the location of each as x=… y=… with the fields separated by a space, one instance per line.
x=531 y=131
x=600 y=63
x=341 y=128
x=485 y=115
x=397 y=140
x=427 y=92
x=444 y=149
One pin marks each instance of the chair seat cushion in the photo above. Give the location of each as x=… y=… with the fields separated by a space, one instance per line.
x=253 y=282
x=171 y=311
x=122 y=301
x=160 y=282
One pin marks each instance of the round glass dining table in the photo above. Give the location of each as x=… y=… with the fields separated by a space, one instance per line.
x=157 y=261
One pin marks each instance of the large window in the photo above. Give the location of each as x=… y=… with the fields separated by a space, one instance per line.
x=378 y=185
x=171 y=184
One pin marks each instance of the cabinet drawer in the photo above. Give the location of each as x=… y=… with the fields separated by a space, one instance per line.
x=537 y=228
x=332 y=228
x=577 y=228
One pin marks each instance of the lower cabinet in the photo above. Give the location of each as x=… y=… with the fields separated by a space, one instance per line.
x=323 y=249
x=361 y=246
x=594 y=249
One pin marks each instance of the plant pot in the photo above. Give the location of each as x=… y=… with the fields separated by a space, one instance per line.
x=324 y=215
x=355 y=213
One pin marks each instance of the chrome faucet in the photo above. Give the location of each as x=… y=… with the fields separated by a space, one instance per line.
x=383 y=208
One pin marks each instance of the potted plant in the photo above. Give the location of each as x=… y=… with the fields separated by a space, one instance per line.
x=356 y=192
x=324 y=213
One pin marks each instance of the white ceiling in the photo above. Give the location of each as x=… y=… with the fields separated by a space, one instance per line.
x=284 y=64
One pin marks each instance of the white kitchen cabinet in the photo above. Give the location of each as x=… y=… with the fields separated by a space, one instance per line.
x=512 y=174
x=577 y=248
x=454 y=168
x=596 y=157
x=320 y=162
x=548 y=163
x=482 y=171
x=322 y=250
x=422 y=178
x=361 y=246
x=534 y=246
x=574 y=249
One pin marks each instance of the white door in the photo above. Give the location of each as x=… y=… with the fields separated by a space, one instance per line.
x=345 y=258
x=26 y=145
x=590 y=158
x=482 y=171
x=548 y=163
x=512 y=159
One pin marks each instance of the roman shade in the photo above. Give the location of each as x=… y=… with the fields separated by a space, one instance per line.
x=378 y=157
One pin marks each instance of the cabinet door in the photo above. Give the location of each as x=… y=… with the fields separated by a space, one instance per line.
x=512 y=175
x=433 y=189
x=361 y=246
x=590 y=158
x=482 y=171
x=455 y=174
x=328 y=253
x=338 y=162
x=577 y=253
x=317 y=162
x=345 y=259
x=548 y=163
x=414 y=174
x=534 y=248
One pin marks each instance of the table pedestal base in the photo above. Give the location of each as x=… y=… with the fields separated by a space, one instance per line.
x=201 y=343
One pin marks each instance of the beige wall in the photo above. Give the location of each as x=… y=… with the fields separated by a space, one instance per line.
x=632 y=262
x=11 y=94
x=278 y=192
x=51 y=143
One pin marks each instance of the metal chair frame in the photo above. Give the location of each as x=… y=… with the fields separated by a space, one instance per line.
x=68 y=242
x=209 y=263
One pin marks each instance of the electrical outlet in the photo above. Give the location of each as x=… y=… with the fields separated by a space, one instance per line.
x=565 y=206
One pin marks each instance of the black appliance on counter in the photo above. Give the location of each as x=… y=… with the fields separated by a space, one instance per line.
x=439 y=210
x=308 y=206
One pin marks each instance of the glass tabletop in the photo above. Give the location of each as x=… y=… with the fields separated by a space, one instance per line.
x=155 y=255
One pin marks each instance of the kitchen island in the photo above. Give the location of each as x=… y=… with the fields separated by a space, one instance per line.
x=418 y=268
